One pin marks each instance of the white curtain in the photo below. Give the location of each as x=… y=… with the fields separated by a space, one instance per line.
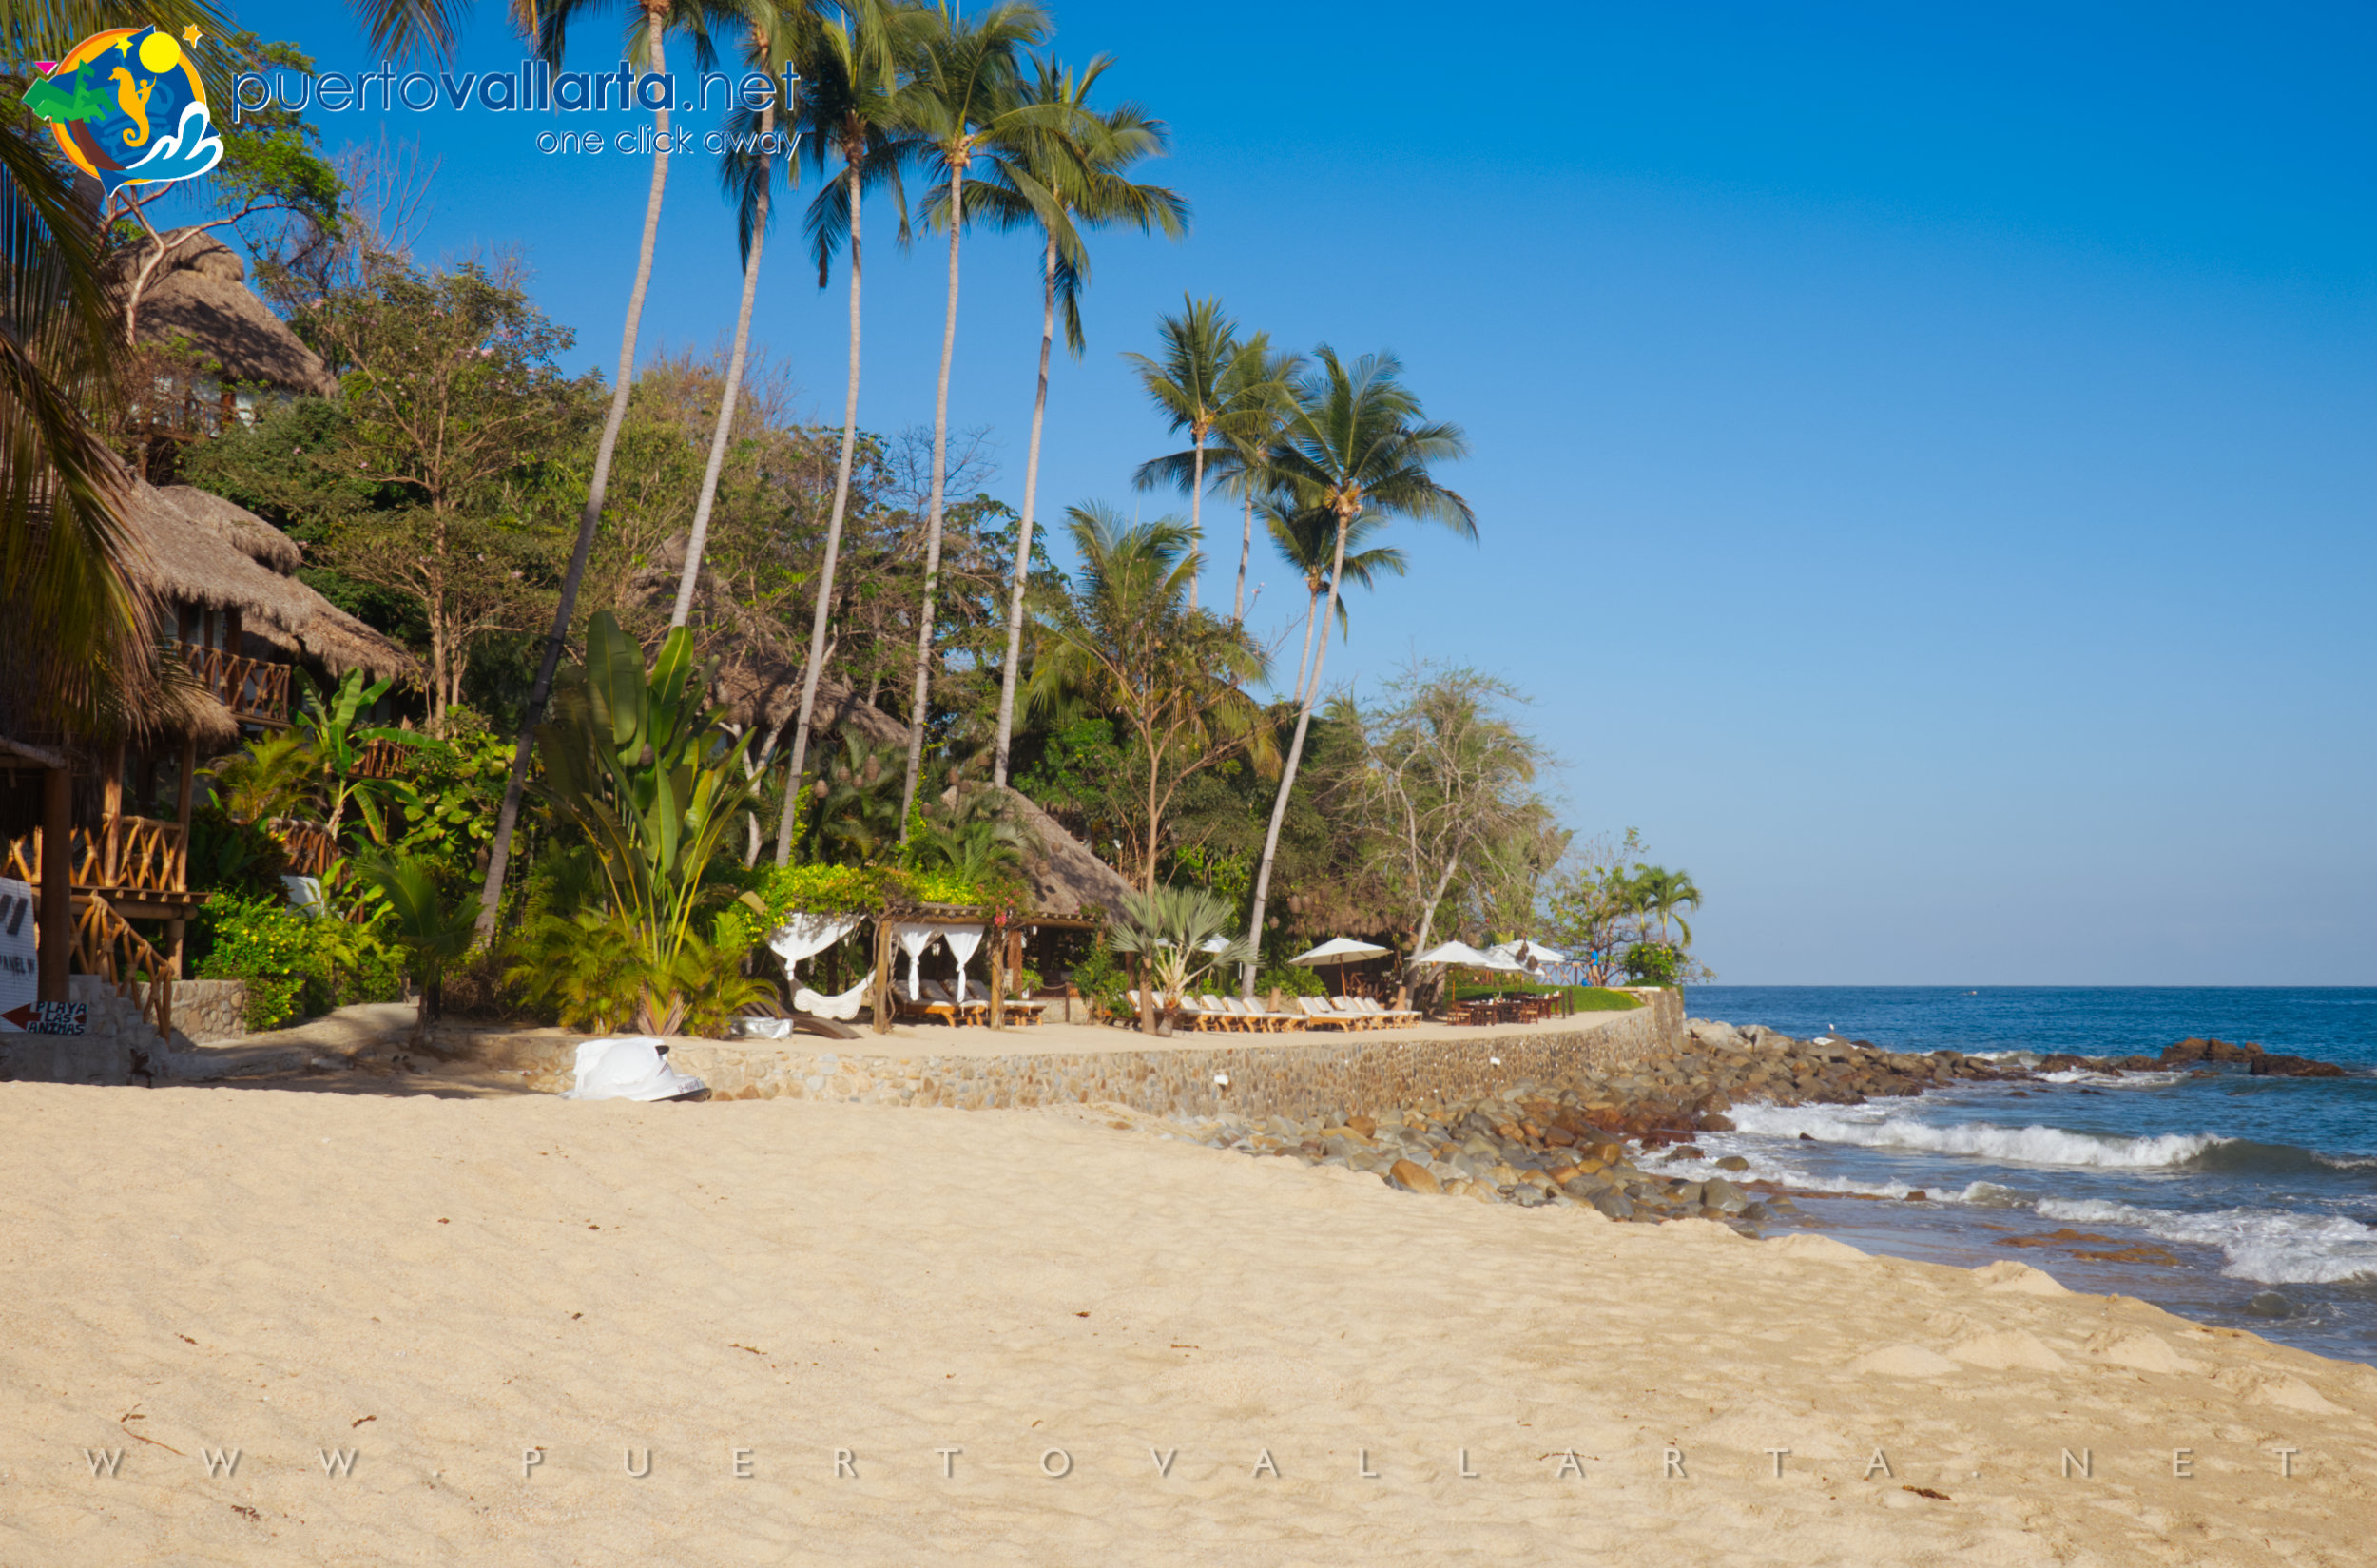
x=913 y=940
x=806 y=935
x=962 y=940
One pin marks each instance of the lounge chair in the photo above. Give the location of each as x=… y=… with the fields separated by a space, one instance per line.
x=1389 y=1017
x=1320 y=1012
x=1213 y=1013
x=1347 y=1007
x=1261 y=1019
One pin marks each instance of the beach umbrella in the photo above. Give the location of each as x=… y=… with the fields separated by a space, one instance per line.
x=1339 y=950
x=1459 y=952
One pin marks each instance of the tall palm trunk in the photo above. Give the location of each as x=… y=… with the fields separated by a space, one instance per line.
x=832 y=539
x=1288 y=774
x=933 y=522
x=1303 y=660
x=1196 y=515
x=700 y=535
x=508 y=817
x=1023 y=533
x=1246 y=551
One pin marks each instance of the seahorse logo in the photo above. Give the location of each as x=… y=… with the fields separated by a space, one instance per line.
x=128 y=107
x=133 y=97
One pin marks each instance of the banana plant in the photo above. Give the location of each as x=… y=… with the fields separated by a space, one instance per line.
x=431 y=930
x=640 y=762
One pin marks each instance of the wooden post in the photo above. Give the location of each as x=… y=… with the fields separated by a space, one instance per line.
x=56 y=933
x=998 y=983
x=111 y=816
x=881 y=994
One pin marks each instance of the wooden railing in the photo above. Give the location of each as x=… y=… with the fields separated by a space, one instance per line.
x=105 y=945
x=254 y=689
x=382 y=758
x=309 y=845
x=131 y=855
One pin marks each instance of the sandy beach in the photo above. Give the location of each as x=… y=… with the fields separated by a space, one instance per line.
x=862 y=1335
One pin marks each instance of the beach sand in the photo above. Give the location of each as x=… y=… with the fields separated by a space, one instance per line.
x=442 y=1283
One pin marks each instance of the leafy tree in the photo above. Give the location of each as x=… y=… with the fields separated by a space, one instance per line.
x=448 y=380
x=433 y=930
x=1125 y=643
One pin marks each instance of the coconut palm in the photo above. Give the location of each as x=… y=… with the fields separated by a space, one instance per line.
x=1357 y=445
x=1080 y=166
x=848 y=107
x=964 y=97
x=1125 y=643
x=551 y=20
x=747 y=172
x=1186 y=385
x=1306 y=540
x=1657 y=892
x=1258 y=392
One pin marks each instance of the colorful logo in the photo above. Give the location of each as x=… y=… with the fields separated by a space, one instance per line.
x=127 y=107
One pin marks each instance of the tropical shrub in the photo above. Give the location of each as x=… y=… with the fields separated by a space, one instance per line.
x=1654 y=963
x=295 y=966
x=1292 y=979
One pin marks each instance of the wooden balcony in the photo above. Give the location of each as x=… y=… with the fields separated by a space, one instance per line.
x=139 y=864
x=255 y=690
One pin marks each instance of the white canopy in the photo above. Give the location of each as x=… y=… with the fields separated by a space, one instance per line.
x=1339 y=950
x=1527 y=954
x=1462 y=954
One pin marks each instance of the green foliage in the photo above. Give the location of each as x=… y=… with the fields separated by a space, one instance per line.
x=639 y=767
x=1581 y=999
x=231 y=857
x=1654 y=963
x=295 y=966
x=593 y=971
x=1102 y=981
x=1292 y=979
x=434 y=931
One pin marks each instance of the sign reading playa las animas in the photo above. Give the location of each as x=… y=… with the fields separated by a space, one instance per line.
x=534 y=86
x=128 y=108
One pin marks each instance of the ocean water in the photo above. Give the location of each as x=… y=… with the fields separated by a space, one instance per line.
x=2229 y=1199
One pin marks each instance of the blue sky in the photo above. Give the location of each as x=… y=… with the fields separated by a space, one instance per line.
x=1922 y=455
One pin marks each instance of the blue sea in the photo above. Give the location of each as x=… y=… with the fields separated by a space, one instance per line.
x=2240 y=1201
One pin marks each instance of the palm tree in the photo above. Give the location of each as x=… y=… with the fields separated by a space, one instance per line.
x=1125 y=643
x=1186 y=386
x=748 y=174
x=963 y=98
x=1306 y=540
x=848 y=106
x=1080 y=168
x=1257 y=389
x=1356 y=444
x=551 y=19
x=1656 y=891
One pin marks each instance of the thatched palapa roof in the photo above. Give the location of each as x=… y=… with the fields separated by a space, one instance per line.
x=199 y=549
x=201 y=295
x=1067 y=879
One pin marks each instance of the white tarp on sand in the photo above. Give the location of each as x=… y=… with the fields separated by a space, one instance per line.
x=628 y=1069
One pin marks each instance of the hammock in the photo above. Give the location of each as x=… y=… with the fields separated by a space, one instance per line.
x=842 y=1009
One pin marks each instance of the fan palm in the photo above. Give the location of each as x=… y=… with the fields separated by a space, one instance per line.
x=1080 y=166
x=433 y=931
x=1306 y=540
x=1357 y=445
x=963 y=97
x=1180 y=933
x=549 y=22
x=1185 y=384
x=848 y=107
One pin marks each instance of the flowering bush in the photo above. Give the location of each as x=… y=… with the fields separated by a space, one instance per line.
x=295 y=966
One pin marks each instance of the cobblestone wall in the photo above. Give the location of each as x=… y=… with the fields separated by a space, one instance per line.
x=1346 y=1073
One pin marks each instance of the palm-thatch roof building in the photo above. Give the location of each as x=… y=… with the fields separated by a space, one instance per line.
x=215 y=349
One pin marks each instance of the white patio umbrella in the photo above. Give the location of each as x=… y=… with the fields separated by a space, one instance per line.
x=1462 y=954
x=1339 y=950
x=1527 y=954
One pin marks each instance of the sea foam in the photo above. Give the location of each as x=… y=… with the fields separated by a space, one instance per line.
x=2023 y=1145
x=2269 y=1246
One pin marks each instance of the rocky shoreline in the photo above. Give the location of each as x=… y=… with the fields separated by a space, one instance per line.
x=1579 y=1146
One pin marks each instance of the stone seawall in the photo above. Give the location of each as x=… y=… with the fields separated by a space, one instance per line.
x=1345 y=1074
